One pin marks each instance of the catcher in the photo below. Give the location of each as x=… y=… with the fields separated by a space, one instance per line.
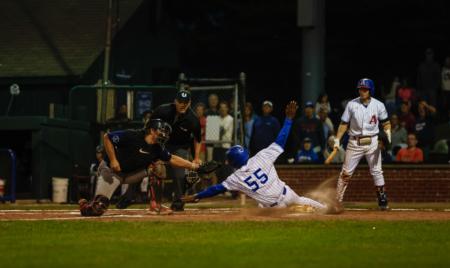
x=130 y=152
x=257 y=177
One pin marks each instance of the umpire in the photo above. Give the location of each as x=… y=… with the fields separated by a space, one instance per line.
x=186 y=132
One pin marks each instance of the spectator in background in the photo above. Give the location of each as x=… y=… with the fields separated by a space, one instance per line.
x=226 y=136
x=306 y=154
x=146 y=116
x=267 y=128
x=406 y=117
x=323 y=103
x=424 y=127
x=200 y=113
x=445 y=84
x=213 y=109
x=226 y=124
x=213 y=105
x=121 y=115
x=249 y=120
x=399 y=133
x=390 y=99
x=308 y=126
x=120 y=120
x=405 y=92
x=339 y=158
x=412 y=154
x=327 y=125
x=429 y=78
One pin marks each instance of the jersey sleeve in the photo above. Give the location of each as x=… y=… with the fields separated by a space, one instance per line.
x=231 y=183
x=346 y=116
x=197 y=130
x=119 y=137
x=269 y=154
x=165 y=155
x=382 y=113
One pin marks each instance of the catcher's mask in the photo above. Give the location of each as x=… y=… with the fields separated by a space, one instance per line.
x=163 y=130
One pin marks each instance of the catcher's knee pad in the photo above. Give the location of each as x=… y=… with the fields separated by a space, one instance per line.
x=106 y=187
x=95 y=208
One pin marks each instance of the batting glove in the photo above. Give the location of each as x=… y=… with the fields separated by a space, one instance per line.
x=336 y=143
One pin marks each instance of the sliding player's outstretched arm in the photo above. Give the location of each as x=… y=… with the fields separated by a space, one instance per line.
x=208 y=192
x=266 y=154
x=291 y=110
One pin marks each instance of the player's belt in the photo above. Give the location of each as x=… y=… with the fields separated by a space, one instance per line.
x=361 y=137
x=276 y=203
x=363 y=140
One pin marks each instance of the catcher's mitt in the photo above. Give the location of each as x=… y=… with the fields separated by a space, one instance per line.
x=208 y=167
x=192 y=178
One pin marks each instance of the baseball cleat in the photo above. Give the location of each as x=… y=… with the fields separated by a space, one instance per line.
x=382 y=201
x=159 y=209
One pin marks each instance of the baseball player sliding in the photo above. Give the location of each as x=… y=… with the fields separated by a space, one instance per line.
x=257 y=177
x=361 y=118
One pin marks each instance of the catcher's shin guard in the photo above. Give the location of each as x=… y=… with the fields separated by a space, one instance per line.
x=155 y=193
x=97 y=207
x=382 y=198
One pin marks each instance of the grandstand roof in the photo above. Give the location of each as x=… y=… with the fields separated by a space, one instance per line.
x=54 y=37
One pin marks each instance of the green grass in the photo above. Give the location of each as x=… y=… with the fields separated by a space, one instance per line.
x=225 y=244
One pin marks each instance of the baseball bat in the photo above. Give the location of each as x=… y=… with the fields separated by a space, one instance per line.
x=331 y=156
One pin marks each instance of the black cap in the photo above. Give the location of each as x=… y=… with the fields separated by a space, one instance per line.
x=305 y=140
x=183 y=96
x=309 y=104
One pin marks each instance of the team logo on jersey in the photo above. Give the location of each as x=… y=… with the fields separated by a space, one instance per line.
x=143 y=152
x=373 y=119
x=115 y=139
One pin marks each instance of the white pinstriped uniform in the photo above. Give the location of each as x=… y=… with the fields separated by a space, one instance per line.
x=364 y=121
x=361 y=118
x=259 y=180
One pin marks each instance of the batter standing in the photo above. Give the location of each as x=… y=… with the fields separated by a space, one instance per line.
x=361 y=118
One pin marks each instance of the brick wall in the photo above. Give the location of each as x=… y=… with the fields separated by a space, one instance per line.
x=404 y=183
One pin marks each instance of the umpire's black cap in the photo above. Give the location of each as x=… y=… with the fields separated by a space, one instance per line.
x=183 y=96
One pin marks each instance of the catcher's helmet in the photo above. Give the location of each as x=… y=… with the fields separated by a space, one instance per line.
x=367 y=83
x=237 y=156
x=164 y=129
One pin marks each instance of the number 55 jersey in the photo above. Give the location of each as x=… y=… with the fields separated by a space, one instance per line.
x=258 y=178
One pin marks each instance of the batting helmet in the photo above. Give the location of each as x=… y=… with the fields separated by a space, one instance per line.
x=367 y=83
x=237 y=156
x=164 y=129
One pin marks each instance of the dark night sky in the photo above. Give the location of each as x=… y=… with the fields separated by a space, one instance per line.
x=377 y=39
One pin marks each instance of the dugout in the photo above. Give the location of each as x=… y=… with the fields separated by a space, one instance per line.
x=45 y=148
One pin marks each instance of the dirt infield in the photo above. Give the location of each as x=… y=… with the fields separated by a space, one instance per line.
x=227 y=214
